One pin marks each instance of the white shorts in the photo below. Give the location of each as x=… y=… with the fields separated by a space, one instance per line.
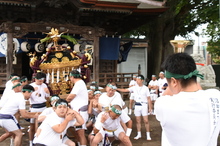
x=153 y=97
x=36 y=110
x=112 y=134
x=65 y=138
x=125 y=110
x=85 y=117
x=131 y=96
x=9 y=124
x=141 y=110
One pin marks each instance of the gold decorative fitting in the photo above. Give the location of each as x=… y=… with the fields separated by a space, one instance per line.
x=54 y=60
x=59 y=55
x=72 y=63
x=65 y=59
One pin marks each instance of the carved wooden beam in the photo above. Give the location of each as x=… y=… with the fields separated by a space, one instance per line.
x=21 y=29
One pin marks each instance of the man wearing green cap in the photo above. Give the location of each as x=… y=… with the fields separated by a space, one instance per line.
x=143 y=105
x=8 y=89
x=78 y=99
x=108 y=122
x=38 y=100
x=52 y=131
x=190 y=116
x=16 y=103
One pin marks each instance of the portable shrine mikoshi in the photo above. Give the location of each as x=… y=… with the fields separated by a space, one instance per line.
x=58 y=62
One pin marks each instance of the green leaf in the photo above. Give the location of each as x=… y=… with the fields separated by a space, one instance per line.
x=69 y=38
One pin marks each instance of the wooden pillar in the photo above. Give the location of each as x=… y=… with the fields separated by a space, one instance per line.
x=96 y=59
x=9 y=58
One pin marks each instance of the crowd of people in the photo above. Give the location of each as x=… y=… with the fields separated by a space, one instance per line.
x=177 y=100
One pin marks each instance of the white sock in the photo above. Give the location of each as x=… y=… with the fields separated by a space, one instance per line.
x=30 y=143
x=148 y=134
x=12 y=142
x=130 y=111
x=139 y=133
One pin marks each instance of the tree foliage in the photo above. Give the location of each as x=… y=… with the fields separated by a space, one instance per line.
x=213 y=30
x=182 y=17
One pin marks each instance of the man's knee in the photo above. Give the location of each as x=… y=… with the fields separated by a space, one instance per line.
x=146 y=121
x=95 y=141
x=125 y=139
x=17 y=133
x=80 y=132
x=138 y=120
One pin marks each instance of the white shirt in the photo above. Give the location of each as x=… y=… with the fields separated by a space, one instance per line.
x=140 y=92
x=81 y=98
x=8 y=83
x=7 y=92
x=13 y=104
x=47 y=111
x=38 y=96
x=153 y=83
x=132 y=83
x=111 y=124
x=161 y=82
x=107 y=101
x=47 y=135
x=187 y=118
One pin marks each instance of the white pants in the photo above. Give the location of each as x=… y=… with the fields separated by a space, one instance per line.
x=141 y=110
x=9 y=124
x=85 y=117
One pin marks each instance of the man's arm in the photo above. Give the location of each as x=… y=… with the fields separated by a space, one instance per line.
x=79 y=119
x=149 y=103
x=46 y=90
x=122 y=90
x=41 y=118
x=62 y=126
x=26 y=114
x=70 y=97
x=129 y=124
x=99 y=122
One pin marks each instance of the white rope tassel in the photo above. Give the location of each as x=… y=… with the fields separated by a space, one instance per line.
x=52 y=76
x=58 y=75
x=48 y=77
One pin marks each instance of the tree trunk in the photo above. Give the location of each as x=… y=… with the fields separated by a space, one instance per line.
x=159 y=45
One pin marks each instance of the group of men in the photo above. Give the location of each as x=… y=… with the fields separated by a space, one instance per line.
x=59 y=118
x=188 y=115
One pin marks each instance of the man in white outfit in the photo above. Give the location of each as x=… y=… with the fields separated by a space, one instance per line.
x=8 y=89
x=162 y=81
x=15 y=103
x=109 y=122
x=153 y=86
x=190 y=115
x=38 y=100
x=78 y=99
x=142 y=104
x=131 y=99
x=52 y=131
